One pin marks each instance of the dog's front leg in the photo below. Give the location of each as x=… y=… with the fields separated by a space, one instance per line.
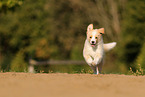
x=94 y=69
x=97 y=70
x=88 y=59
x=97 y=60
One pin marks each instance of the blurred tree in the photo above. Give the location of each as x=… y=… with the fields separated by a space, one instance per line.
x=54 y=29
x=141 y=58
x=133 y=29
x=18 y=63
x=6 y=5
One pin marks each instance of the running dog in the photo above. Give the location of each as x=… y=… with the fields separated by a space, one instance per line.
x=94 y=48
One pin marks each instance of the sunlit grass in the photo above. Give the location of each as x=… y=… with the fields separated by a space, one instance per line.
x=138 y=72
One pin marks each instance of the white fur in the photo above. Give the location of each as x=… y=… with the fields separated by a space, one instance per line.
x=93 y=37
x=93 y=55
x=109 y=46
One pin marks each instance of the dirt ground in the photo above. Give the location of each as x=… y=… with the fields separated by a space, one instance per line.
x=70 y=85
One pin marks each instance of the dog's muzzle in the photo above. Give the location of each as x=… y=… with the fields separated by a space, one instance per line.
x=93 y=43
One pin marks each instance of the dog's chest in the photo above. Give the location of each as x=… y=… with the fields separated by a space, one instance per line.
x=93 y=52
x=90 y=51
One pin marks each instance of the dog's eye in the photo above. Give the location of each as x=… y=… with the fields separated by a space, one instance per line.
x=96 y=37
x=90 y=37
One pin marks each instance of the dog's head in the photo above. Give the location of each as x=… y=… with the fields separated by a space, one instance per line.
x=94 y=35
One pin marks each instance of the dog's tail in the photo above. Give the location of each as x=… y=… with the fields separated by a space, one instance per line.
x=109 y=46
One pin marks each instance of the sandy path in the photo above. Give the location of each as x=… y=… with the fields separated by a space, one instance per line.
x=71 y=85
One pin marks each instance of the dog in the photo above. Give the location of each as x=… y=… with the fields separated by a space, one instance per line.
x=94 y=48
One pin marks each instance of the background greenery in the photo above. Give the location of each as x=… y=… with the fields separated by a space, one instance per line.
x=56 y=30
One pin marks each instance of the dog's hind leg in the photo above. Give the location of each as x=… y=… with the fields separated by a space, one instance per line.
x=94 y=69
x=100 y=66
x=97 y=69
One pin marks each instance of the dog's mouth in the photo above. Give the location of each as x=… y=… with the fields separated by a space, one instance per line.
x=93 y=45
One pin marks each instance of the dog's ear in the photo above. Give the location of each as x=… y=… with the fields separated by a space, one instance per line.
x=90 y=27
x=101 y=31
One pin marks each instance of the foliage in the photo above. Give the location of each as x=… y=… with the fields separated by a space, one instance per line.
x=18 y=63
x=6 y=5
x=56 y=29
x=141 y=57
x=133 y=29
x=138 y=72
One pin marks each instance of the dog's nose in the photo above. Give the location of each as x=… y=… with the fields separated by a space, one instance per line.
x=93 y=42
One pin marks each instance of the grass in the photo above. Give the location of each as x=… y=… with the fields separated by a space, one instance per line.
x=138 y=72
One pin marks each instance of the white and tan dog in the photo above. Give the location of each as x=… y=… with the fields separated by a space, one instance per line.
x=94 y=48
